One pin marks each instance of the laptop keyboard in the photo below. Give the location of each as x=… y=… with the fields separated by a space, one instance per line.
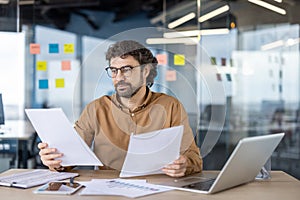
x=203 y=185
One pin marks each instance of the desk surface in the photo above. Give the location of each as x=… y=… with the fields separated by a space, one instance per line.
x=17 y=129
x=281 y=186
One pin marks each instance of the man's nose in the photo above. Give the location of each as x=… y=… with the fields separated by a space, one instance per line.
x=119 y=75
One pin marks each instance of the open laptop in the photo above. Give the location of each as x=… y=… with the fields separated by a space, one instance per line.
x=243 y=165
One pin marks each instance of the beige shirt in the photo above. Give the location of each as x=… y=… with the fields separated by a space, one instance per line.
x=107 y=125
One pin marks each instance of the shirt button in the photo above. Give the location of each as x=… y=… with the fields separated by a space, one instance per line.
x=132 y=114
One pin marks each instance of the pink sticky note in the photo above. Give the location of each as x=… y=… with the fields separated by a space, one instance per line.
x=223 y=61
x=65 y=65
x=162 y=59
x=35 y=48
x=219 y=78
x=171 y=75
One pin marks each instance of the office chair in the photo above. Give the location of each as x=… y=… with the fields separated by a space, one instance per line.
x=32 y=152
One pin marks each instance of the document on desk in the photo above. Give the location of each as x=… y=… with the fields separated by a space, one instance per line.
x=53 y=127
x=121 y=187
x=149 y=152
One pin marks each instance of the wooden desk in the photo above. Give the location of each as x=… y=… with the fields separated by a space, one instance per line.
x=17 y=133
x=281 y=186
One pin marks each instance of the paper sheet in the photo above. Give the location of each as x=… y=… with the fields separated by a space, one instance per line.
x=149 y=152
x=54 y=128
x=121 y=187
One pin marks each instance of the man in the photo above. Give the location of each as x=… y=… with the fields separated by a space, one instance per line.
x=107 y=122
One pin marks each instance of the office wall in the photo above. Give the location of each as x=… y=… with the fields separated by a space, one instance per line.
x=12 y=73
x=257 y=65
x=95 y=82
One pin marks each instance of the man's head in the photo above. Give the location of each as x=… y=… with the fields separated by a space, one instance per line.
x=141 y=54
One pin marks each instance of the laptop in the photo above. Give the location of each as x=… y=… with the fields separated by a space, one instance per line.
x=243 y=165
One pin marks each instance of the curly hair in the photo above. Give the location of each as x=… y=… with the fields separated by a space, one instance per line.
x=140 y=53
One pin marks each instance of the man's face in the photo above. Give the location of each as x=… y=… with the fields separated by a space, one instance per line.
x=127 y=86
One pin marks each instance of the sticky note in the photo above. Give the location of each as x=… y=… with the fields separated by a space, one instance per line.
x=41 y=65
x=213 y=61
x=65 y=65
x=162 y=59
x=223 y=61
x=219 y=78
x=53 y=48
x=171 y=75
x=34 y=48
x=179 y=59
x=43 y=84
x=228 y=76
x=59 y=83
x=280 y=88
x=68 y=48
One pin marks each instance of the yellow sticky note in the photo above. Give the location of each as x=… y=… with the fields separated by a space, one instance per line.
x=179 y=59
x=35 y=48
x=68 y=48
x=59 y=83
x=65 y=65
x=171 y=75
x=162 y=59
x=41 y=65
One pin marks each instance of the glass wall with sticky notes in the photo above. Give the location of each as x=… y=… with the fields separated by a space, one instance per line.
x=57 y=70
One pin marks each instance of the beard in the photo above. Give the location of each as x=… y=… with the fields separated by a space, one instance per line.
x=126 y=90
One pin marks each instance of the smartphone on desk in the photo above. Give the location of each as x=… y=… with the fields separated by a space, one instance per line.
x=58 y=187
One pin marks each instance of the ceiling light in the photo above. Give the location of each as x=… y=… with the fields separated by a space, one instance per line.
x=268 y=6
x=280 y=43
x=219 y=31
x=28 y=2
x=213 y=13
x=174 y=12
x=195 y=33
x=186 y=40
x=180 y=34
x=291 y=42
x=279 y=1
x=4 y=1
x=272 y=45
x=182 y=20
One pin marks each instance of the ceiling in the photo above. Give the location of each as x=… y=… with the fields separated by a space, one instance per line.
x=58 y=11
x=242 y=12
x=159 y=12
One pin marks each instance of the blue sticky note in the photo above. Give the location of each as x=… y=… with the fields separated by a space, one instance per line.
x=228 y=77
x=43 y=84
x=53 y=48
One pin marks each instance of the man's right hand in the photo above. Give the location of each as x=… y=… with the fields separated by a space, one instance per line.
x=49 y=156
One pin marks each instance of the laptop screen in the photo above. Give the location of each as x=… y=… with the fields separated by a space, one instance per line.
x=242 y=166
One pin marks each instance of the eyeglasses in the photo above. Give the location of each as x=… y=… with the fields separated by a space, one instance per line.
x=112 y=72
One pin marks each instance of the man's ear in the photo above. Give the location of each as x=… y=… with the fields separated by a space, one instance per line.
x=146 y=70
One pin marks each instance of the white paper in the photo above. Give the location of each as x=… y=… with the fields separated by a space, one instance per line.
x=54 y=128
x=149 y=152
x=121 y=187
